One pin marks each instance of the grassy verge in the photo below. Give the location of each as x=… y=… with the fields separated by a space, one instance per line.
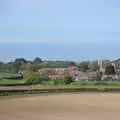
x=58 y=90
x=6 y=81
x=42 y=89
x=2 y=74
x=96 y=85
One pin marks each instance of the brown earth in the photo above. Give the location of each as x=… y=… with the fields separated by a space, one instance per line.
x=83 y=106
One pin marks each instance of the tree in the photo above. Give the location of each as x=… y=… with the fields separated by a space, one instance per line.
x=93 y=66
x=72 y=63
x=2 y=66
x=83 y=66
x=33 y=78
x=105 y=63
x=99 y=76
x=18 y=63
x=9 y=67
x=67 y=78
x=110 y=70
x=30 y=67
x=37 y=60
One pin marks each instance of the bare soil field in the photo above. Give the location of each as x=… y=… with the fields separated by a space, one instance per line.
x=83 y=106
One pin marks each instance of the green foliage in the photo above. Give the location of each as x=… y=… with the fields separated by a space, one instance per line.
x=68 y=80
x=37 y=60
x=8 y=81
x=35 y=78
x=88 y=65
x=83 y=66
x=93 y=66
x=98 y=76
x=32 y=78
x=105 y=63
x=18 y=63
x=31 y=67
x=110 y=70
x=54 y=64
x=58 y=82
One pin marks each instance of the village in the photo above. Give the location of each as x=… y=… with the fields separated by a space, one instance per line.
x=58 y=73
x=40 y=71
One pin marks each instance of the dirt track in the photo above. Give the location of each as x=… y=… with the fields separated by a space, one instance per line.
x=83 y=106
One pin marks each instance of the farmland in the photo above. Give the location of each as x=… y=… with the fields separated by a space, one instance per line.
x=19 y=86
x=92 y=106
x=4 y=79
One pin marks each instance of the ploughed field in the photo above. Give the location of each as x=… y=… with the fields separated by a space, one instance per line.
x=67 y=106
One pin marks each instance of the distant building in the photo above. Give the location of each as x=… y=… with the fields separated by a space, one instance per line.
x=58 y=72
x=109 y=73
x=55 y=77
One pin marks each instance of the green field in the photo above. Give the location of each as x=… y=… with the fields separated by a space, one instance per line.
x=6 y=81
x=76 y=86
x=6 y=74
x=85 y=84
x=10 y=81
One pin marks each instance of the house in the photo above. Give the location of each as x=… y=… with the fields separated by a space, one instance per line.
x=55 y=77
x=84 y=75
x=110 y=72
x=58 y=72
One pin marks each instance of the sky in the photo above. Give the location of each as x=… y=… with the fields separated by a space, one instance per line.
x=59 y=29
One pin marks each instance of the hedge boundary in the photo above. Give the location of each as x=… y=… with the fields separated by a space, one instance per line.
x=60 y=90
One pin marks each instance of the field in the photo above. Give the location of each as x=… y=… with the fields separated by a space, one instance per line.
x=6 y=81
x=83 y=106
x=10 y=81
x=15 y=86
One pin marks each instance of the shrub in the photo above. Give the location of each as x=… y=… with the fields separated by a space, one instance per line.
x=68 y=80
x=33 y=78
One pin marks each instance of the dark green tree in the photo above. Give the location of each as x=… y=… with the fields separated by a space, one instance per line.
x=18 y=63
x=33 y=78
x=37 y=60
x=110 y=70
x=93 y=66
x=83 y=66
x=67 y=79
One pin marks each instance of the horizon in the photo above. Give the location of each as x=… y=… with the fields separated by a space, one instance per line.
x=64 y=52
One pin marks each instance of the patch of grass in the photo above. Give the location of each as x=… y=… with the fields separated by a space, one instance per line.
x=78 y=86
x=6 y=74
x=6 y=81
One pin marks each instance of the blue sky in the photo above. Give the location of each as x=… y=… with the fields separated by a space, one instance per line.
x=60 y=29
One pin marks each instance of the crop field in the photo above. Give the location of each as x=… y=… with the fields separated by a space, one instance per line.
x=83 y=106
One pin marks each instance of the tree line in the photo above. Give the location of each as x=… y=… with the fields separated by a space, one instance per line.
x=29 y=69
x=21 y=64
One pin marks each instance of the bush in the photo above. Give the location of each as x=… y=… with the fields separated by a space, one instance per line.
x=33 y=78
x=68 y=80
x=101 y=83
x=57 y=82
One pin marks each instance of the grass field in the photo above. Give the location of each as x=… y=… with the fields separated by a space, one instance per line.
x=84 y=106
x=9 y=81
x=6 y=81
x=78 y=84
x=2 y=74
